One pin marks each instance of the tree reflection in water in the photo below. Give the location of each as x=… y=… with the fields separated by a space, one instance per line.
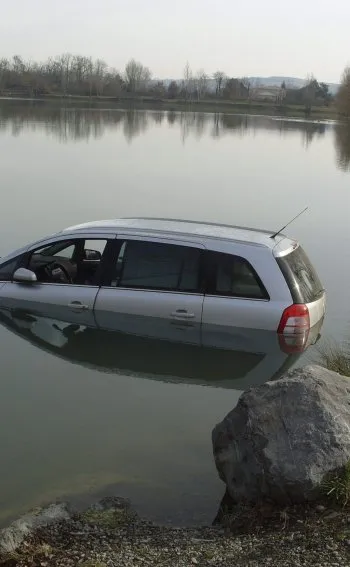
x=342 y=146
x=68 y=123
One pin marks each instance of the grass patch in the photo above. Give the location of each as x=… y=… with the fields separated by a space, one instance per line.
x=335 y=356
x=111 y=518
x=336 y=486
x=268 y=108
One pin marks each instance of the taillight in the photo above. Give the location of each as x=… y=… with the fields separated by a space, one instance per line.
x=295 y=320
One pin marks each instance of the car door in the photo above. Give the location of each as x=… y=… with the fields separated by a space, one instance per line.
x=154 y=289
x=236 y=309
x=69 y=302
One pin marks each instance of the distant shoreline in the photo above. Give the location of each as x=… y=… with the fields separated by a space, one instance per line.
x=175 y=105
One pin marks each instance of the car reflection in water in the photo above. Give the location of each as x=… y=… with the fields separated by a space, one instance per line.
x=255 y=356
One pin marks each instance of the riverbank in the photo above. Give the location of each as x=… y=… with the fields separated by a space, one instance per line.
x=176 y=105
x=111 y=534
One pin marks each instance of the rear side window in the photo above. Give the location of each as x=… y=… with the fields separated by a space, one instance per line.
x=301 y=276
x=233 y=276
x=157 y=266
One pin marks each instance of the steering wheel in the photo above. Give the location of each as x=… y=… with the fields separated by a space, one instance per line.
x=57 y=272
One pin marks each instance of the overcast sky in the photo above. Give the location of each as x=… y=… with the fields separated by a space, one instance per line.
x=255 y=37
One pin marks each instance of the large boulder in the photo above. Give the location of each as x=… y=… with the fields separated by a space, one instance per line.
x=284 y=437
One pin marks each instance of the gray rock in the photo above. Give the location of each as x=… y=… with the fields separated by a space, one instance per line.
x=284 y=436
x=12 y=537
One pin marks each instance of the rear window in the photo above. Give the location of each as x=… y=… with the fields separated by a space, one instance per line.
x=301 y=276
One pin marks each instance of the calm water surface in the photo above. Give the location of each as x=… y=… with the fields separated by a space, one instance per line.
x=69 y=428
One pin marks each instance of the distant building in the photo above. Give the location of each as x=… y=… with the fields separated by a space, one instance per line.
x=267 y=94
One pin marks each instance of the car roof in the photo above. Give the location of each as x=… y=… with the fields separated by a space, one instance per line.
x=254 y=236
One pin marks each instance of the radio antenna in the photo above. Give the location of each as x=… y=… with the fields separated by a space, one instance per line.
x=288 y=223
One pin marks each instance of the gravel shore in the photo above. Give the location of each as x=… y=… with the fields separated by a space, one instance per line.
x=110 y=534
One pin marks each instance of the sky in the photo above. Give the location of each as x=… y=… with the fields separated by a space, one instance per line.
x=252 y=38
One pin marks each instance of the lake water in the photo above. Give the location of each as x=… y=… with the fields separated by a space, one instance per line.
x=68 y=427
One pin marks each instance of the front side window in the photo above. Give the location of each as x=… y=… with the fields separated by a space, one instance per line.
x=157 y=266
x=68 y=262
x=233 y=276
x=7 y=269
x=61 y=249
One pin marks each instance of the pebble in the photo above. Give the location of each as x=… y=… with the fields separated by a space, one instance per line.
x=332 y=515
x=320 y=508
x=142 y=543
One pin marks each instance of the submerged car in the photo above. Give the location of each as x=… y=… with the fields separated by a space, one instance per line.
x=182 y=281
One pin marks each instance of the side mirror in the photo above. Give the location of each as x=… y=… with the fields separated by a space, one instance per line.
x=23 y=275
x=92 y=255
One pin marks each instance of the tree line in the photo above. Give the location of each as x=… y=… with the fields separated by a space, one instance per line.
x=69 y=74
x=343 y=95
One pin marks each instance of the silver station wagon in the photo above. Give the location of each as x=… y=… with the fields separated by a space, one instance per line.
x=198 y=283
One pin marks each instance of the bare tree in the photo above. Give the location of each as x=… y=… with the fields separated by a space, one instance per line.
x=246 y=83
x=309 y=91
x=219 y=78
x=4 y=70
x=201 y=84
x=18 y=65
x=99 y=75
x=188 y=81
x=136 y=76
x=62 y=66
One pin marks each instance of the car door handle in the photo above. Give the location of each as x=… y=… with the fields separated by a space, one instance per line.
x=182 y=314
x=76 y=305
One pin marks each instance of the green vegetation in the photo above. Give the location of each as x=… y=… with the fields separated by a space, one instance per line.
x=335 y=356
x=336 y=486
x=110 y=518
